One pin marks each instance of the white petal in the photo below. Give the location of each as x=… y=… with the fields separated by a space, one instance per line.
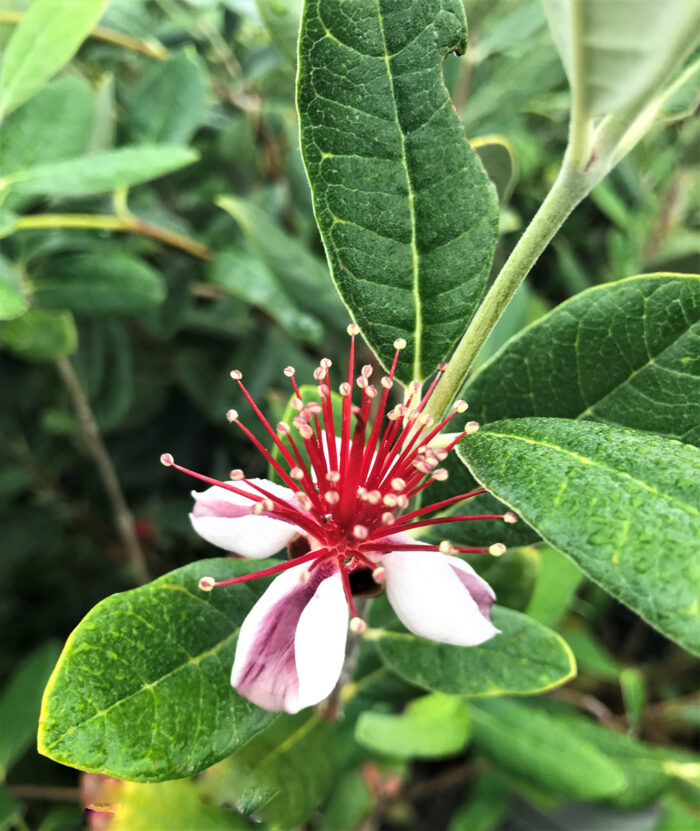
x=223 y=518
x=431 y=601
x=292 y=643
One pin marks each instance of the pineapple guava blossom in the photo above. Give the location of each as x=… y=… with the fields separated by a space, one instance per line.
x=340 y=513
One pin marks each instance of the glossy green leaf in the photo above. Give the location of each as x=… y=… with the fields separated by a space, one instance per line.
x=304 y=276
x=20 y=703
x=13 y=302
x=244 y=275
x=142 y=689
x=281 y=19
x=47 y=38
x=175 y=806
x=40 y=335
x=281 y=774
x=557 y=581
x=99 y=172
x=408 y=216
x=533 y=744
x=431 y=726
x=526 y=658
x=615 y=50
x=168 y=103
x=622 y=504
x=624 y=352
x=93 y=284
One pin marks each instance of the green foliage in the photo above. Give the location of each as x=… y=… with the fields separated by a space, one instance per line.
x=407 y=214
x=13 y=302
x=611 y=499
x=40 y=335
x=525 y=658
x=141 y=690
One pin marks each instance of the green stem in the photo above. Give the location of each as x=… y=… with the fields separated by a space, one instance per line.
x=127 y=223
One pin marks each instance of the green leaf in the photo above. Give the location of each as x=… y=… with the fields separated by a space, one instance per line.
x=46 y=39
x=626 y=353
x=556 y=585
x=101 y=172
x=281 y=774
x=10 y=810
x=176 y=806
x=622 y=504
x=532 y=743
x=13 y=303
x=350 y=802
x=485 y=807
x=40 y=335
x=431 y=726
x=96 y=284
x=591 y=657
x=304 y=276
x=281 y=19
x=615 y=51
x=244 y=275
x=526 y=658
x=498 y=158
x=142 y=690
x=407 y=214
x=168 y=103
x=20 y=703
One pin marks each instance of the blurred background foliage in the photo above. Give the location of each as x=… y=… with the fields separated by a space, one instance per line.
x=131 y=284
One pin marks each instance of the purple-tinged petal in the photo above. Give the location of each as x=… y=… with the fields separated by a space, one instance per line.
x=223 y=518
x=292 y=643
x=432 y=596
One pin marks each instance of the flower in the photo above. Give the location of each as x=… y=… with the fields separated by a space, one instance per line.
x=343 y=513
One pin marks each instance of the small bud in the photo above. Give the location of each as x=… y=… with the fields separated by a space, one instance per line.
x=167 y=459
x=460 y=406
x=398 y=484
x=379 y=574
x=510 y=518
x=471 y=427
x=237 y=475
x=236 y=374
x=400 y=343
x=206 y=584
x=360 y=532
x=353 y=329
x=357 y=625
x=232 y=415
x=345 y=389
x=289 y=371
x=446 y=547
x=497 y=549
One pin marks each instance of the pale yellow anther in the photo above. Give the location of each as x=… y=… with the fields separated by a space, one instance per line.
x=306 y=431
x=297 y=404
x=332 y=497
x=302 y=501
x=398 y=484
x=232 y=415
x=283 y=429
x=345 y=389
x=236 y=374
x=388 y=518
x=440 y=475
x=167 y=459
x=367 y=370
x=460 y=406
x=379 y=574
x=446 y=547
x=390 y=500
x=304 y=576
x=362 y=382
x=319 y=373
x=403 y=501
x=206 y=584
x=296 y=473
x=237 y=475
x=426 y=420
x=386 y=382
x=333 y=476
x=442 y=366
x=497 y=549
x=510 y=518
x=289 y=371
x=400 y=343
x=360 y=532
x=371 y=391
x=374 y=497
x=314 y=408
x=471 y=427
x=326 y=363
x=357 y=625
x=353 y=329
x=324 y=390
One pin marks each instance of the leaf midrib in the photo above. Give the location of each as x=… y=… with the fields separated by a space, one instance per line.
x=585 y=460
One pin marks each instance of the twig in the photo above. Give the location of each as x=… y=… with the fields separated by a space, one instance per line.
x=591 y=705
x=445 y=780
x=332 y=707
x=49 y=792
x=123 y=520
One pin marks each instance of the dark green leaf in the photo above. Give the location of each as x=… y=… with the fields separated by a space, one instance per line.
x=526 y=658
x=47 y=38
x=281 y=774
x=20 y=704
x=408 y=216
x=433 y=725
x=624 y=352
x=10 y=810
x=168 y=103
x=612 y=52
x=622 y=504
x=281 y=19
x=349 y=803
x=246 y=276
x=531 y=743
x=13 y=303
x=142 y=689
x=485 y=806
x=40 y=335
x=94 y=284
x=591 y=658
x=100 y=172
x=557 y=581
